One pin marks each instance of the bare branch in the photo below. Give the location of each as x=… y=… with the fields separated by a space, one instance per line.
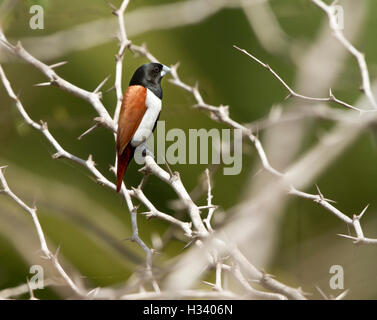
x=124 y=43
x=153 y=212
x=44 y=248
x=198 y=231
x=295 y=94
x=212 y=209
x=91 y=97
x=359 y=56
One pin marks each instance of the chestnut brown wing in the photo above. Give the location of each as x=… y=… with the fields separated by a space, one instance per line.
x=131 y=113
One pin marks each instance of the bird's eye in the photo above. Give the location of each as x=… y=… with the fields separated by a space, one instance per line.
x=156 y=69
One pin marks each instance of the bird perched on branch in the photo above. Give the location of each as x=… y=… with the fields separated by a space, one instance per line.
x=139 y=113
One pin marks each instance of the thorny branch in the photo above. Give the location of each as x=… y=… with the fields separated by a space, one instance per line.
x=150 y=166
x=330 y=10
x=124 y=43
x=292 y=93
x=202 y=228
x=221 y=114
x=44 y=248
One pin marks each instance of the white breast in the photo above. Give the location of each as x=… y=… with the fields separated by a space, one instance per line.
x=153 y=104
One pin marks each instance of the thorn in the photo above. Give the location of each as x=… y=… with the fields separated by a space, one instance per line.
x=322 y=198
x=321 y=293
x=212 y=206
x=174 y=69
x=136 y=190
x=45 y=257
x=43 y=84
x=224 y=109
x=329 y=200
x=355 y=239
x=268 y=275
x=96 y=90
x=57 y=251
x=111 y=5
x=212 y=285
x=31 y=293
x=175 y=176
x=145 y=170
x=196 y=86
x=123 y=48
x=59 y=64
x=90 y=161
x=148 y=214
x=332 y=97
x=143 y=181
x=135 y=208
x=100 y=181
x=299 y=289
x=88 y=131
x=189 y=244
x=169 y=169
x=110 y=89
x=362 y=213
x=342 y=295
x=57 y=155
x=346 y=236
x=100 y=121
x=238 y=48
x=19 y=95
x=319 y=192
x=93 y=293
x=154 y=251
x=43 y=124
x=18 y=45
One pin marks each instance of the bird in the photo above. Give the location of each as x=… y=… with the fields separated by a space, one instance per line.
x=139 y=113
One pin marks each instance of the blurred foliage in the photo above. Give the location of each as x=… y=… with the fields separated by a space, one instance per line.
x=90 y=222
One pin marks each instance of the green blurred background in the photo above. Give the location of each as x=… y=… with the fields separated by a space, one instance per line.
x=90 y=222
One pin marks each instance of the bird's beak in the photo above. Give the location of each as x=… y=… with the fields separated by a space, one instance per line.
x=165 y=70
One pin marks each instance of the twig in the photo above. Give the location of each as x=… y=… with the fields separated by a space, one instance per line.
x=124 y=43
x=44 y=248
x=295 y=94
x=92 y=97
x=236 y=272
x=359 y=56
x=24 y=288
x=220 y=113
x=211 y=208
x=153 y=212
